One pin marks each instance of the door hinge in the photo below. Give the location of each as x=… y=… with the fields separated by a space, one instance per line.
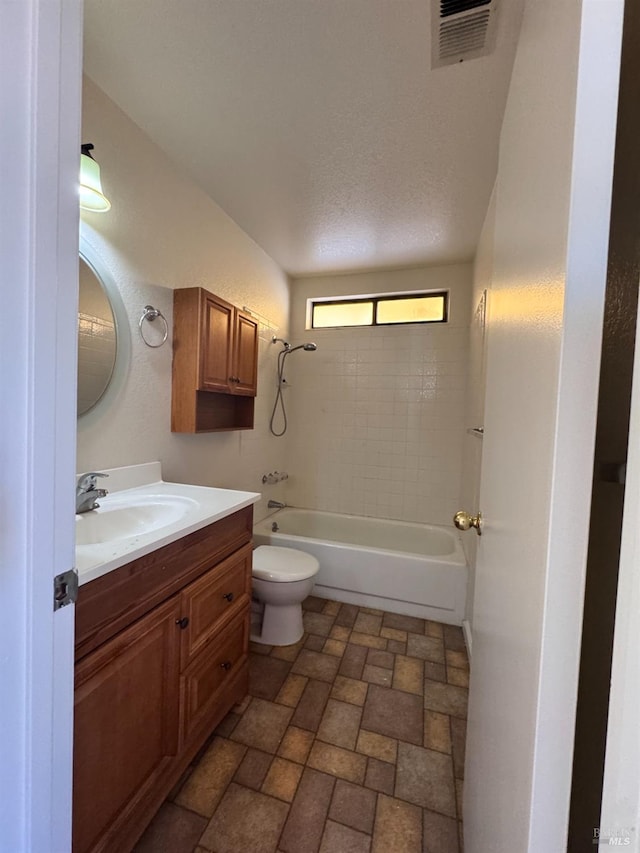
x=65 y=589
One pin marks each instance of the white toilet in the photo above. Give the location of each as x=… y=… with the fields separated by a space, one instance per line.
x=282 y=579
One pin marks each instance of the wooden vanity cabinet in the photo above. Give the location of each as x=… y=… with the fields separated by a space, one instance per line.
x=149 y=691
x=215 y=363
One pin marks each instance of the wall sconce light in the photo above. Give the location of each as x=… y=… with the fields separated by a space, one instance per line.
x=91 y=195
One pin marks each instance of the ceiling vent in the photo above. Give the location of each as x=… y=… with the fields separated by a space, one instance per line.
x=462 y=30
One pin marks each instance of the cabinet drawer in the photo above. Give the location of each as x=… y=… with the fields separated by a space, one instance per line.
x=218 y=666
x=212 y=601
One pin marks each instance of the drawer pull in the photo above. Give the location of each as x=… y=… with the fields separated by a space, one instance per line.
x=228 y=596
x=183 y=622
x=226 y=665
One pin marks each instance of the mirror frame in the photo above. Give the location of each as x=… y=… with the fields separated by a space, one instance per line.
x=93 y=259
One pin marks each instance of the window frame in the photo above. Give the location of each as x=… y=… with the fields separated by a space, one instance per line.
x=375 y=299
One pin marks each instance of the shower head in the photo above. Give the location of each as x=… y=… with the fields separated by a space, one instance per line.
x=310 y=347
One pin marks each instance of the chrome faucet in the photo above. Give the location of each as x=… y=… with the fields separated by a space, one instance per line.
x=86 y=492
x=275 y=505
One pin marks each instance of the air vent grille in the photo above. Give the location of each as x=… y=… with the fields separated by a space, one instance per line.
x=462 y=30
x=456 y=7
x=463 y=34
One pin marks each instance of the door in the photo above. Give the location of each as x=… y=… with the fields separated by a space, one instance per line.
x=40 y=74
x=544 y=328
x=246 y=355
x=606 y=739
x=217 y=337
x=621 y=784
x=130 y=679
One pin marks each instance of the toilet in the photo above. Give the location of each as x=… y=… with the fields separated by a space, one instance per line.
x=282 y=579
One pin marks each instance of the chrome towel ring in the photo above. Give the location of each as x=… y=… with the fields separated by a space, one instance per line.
x=151 y=314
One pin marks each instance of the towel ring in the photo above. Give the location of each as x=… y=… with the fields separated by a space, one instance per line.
x=150 y=313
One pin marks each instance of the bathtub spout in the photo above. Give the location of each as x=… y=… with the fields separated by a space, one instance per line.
x=276 y=505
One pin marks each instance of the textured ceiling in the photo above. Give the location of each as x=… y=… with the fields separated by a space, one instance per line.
x=317 y=125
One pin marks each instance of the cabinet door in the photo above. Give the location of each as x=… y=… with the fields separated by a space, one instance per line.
x=246 y=355
x=216 y=368
x=125 y=729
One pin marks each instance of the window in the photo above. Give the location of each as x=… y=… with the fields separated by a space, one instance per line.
x=380 y=310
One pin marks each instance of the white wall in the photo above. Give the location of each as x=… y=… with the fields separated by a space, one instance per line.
x=161 y=233
x=377 y=414
x=476 y=386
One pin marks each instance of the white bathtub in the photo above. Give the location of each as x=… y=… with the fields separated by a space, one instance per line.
x=414 y=569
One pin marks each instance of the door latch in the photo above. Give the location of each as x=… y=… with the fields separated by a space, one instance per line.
x=65 y=589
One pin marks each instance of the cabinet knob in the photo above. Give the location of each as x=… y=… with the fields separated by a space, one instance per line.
x=226 y=665
x=183 y=622
x=228 y=596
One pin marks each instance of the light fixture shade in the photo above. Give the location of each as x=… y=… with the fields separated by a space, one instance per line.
x=91 y=195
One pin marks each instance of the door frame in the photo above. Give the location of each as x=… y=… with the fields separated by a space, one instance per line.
x=40 y=79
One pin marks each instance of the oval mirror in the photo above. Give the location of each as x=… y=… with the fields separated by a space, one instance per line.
x=97 y=339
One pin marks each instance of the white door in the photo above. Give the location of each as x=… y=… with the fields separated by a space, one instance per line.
x=40 y=74
x=545 y=317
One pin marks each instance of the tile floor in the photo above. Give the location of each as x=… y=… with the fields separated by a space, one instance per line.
x=351 y=741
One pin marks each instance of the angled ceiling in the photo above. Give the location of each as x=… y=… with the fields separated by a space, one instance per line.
x=317 y=125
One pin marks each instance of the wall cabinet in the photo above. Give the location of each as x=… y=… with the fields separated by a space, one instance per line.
x=161 y=656
x=215 y=363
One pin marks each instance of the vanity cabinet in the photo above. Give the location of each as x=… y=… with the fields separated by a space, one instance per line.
x=215 y=363
x=161 y=657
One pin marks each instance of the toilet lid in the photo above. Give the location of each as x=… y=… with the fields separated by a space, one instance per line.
x=272 y=563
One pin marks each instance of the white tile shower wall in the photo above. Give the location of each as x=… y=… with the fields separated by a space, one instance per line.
x=163 y=232
x=377 y=414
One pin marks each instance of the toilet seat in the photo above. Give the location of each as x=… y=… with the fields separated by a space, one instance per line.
x=282 y=565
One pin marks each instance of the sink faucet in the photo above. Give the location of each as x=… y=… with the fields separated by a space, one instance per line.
x=275 y=505
x=86 y=492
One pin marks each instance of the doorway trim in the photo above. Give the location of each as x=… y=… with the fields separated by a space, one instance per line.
x=40 y=77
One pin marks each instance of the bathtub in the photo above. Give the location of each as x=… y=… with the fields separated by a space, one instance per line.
x=413 y=569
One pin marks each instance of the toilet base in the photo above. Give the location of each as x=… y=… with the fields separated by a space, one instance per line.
x=281 y=625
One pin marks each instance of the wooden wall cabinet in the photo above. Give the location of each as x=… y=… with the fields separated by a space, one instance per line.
x=215 y=363
x=161 y=656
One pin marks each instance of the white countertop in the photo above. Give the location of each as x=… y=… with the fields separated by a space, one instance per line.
x=204 y=505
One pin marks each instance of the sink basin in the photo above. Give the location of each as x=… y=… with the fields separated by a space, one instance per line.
x=142 y=512
x=123 y=517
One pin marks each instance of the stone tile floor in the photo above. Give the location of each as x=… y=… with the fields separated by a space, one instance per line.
x=351 y=741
